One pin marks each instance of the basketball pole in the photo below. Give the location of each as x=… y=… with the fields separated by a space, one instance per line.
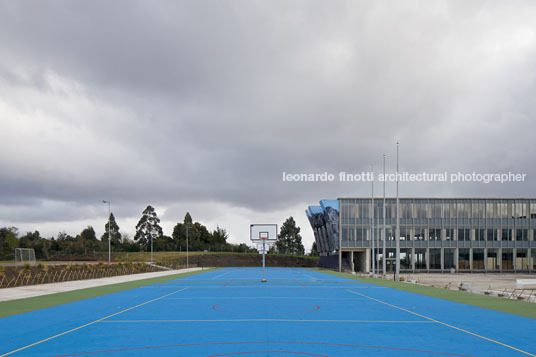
x=263 y=261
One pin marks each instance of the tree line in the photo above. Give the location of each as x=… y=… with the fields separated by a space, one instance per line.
x=148 y=230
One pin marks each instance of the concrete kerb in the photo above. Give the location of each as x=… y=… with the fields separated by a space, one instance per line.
x=22 y=292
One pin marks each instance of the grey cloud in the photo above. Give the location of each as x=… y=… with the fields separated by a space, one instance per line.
x=211 y=101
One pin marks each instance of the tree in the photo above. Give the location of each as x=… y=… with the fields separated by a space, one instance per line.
x=220 y=236
x=28 y=240
x=187 y=218
x=314 y=250
x=88 y=234
x=115 y=236
x=148 y=226
x=289 y=239
x=88 y=238
x=8 y=242
x=199 y=238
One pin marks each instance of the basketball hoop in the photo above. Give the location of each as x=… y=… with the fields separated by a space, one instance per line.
x=263 y=233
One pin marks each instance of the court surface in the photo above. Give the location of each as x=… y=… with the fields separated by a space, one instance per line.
x=298 y=312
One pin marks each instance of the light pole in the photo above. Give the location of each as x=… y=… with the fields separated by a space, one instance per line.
x=397 y=272
x=372 y=221
x=383 y=252
x=151 y=233
x=187 y=226
x=109 y=230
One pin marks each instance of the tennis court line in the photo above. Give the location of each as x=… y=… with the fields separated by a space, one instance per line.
x=261 y=320
x=442 y=323
x=90 y=323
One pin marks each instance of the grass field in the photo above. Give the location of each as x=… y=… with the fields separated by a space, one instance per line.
x=297 y=312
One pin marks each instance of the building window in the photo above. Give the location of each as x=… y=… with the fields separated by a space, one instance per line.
x=405 y=233
x=419 y=233
x=478 y=259
x=390 y=260
x=463 y=259
x=522 y=262
x=480 y=234
x=434 y=233
x=389 y=233
x=464 y=234
x=435 y=258
x=448 y=258
x=491 y=210
x=421 y=210
x=522 y=235
x=520 y=210
x=493 y=262
x=420 y=258
x=506 y=234
x=452 y=210
x=507 y=259
x=405 y=258
x=437 y=210
x=503 y=210
x=492 y=234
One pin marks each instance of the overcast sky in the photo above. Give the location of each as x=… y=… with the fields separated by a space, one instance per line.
x=202 y=105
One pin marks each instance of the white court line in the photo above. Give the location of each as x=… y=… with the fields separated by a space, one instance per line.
x=276 y=320
x=310 y=276
x=90 y=323
x=257 y=287
x=442 y=323
x=261 y=297
x=218 y=276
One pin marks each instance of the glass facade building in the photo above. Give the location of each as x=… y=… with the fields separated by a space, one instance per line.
x=439 y=234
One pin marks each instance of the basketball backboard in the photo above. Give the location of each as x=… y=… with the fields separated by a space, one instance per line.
x=263 y=232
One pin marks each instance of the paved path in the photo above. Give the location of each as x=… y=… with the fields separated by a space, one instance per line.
x=22 y=292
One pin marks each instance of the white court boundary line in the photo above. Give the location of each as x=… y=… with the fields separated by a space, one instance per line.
x=442 y=323
x=262 y=297
x=90 y=323
x=264 y=320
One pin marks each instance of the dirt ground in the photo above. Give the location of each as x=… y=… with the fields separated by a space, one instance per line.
x=479 y=282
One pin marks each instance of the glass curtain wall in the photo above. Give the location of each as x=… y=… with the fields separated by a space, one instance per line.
x=471 y=234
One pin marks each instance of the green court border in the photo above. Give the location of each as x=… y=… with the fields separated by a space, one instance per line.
x=19 y=306
x=515 y=307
